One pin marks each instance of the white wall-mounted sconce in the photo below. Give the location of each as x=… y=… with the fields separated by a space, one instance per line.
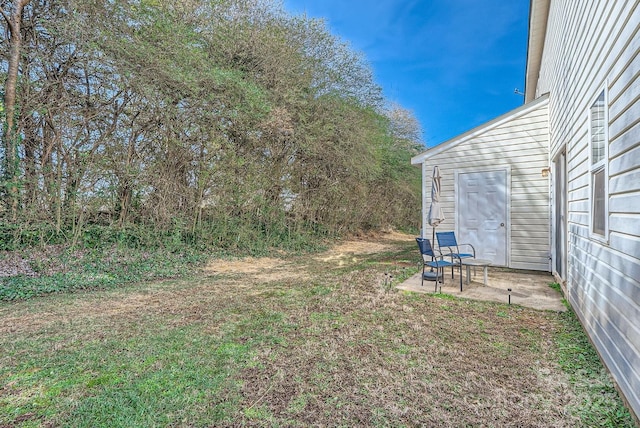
x=546 y=171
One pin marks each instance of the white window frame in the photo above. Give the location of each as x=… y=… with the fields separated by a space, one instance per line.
x=598 y=166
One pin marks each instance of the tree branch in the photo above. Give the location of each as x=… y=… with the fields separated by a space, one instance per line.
x=21 y=4
x=6 y=17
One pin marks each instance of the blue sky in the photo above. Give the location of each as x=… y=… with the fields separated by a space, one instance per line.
x=454 y=63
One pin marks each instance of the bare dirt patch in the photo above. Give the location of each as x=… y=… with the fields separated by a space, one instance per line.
x=349 y=252
x=249 y=265
x=263 y=269
x=275 y=269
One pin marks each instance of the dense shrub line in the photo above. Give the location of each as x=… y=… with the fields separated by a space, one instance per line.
x=224 y=124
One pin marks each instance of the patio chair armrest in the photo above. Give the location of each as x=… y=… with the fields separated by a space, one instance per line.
x=437 y=253
x=449 y=252
x=473 y=250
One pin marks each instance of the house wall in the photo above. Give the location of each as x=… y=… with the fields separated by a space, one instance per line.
x=591 y=45
x=520 y=144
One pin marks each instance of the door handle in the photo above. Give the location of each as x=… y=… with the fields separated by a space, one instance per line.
x=502 y=224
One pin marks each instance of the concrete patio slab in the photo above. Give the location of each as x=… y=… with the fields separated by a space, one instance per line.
x=528 y=288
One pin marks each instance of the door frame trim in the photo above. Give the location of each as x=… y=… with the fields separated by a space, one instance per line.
x=507 y=170
x=553 y=200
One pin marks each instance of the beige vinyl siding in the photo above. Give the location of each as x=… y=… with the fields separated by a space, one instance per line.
x=519 y=143
x=590 y=46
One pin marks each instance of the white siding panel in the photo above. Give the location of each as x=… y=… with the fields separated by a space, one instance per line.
x=625 y=222
x=533 y=221
x=533 y=242
x=625 y=203
x=529 y=266
x=626 y=162
x=626 y=120
x=626 y=182
x=626 y=141
x=590 y=46
x=579 y=194
x=623 y=72
x=614 y=347
x=627 y=244
x=620 y=102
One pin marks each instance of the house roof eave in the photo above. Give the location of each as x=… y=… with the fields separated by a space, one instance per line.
x=538 y=16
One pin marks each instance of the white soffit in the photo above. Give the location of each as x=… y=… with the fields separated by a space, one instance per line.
x=538 y=15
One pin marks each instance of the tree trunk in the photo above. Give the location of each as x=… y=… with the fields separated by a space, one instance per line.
x=30 y=170
x=10 y=132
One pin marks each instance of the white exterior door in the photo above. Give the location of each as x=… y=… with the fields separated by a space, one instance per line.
x=482 y=214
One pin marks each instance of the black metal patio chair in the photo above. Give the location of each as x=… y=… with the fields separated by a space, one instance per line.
x=433 y=261
x=448 y=241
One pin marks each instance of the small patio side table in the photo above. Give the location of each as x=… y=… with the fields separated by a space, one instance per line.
x=476 y=262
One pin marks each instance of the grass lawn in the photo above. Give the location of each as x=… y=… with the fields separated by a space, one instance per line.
x=314 y=340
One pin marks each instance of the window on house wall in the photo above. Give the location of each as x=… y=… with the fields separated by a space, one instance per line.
x=598 y=157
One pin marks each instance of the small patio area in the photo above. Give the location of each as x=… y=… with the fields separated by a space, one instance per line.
x=528 y=288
